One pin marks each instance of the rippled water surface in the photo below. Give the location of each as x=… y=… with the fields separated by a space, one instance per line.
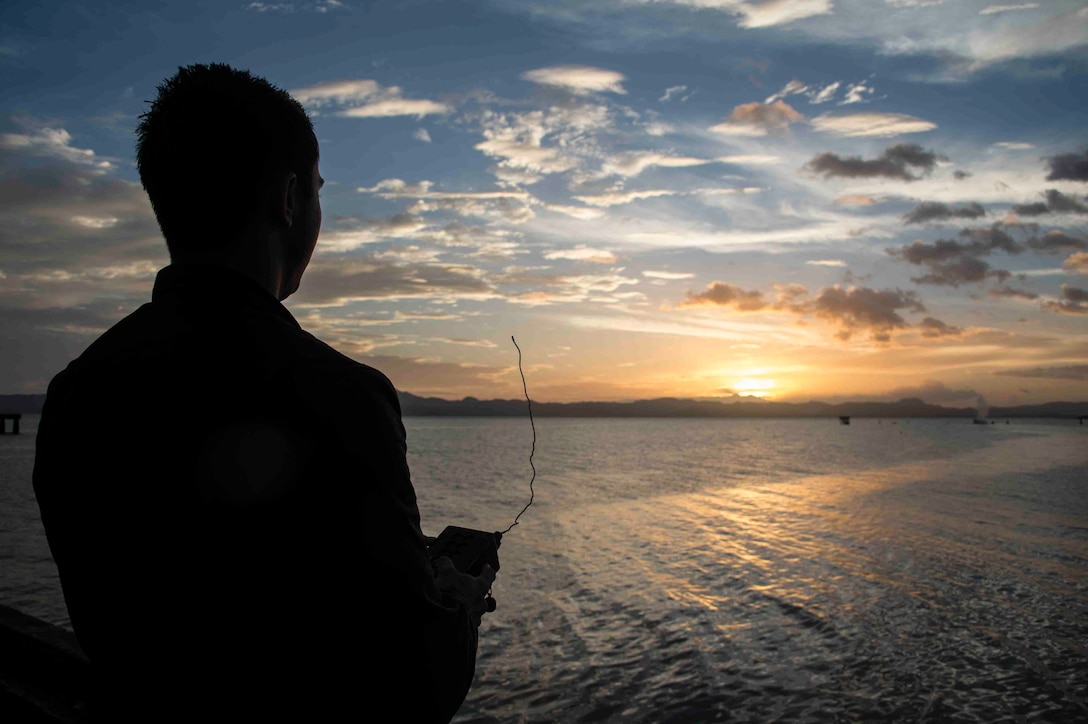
x=745 y=570
x=784 y=570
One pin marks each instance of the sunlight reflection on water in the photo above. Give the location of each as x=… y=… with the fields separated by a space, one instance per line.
x=950 y=583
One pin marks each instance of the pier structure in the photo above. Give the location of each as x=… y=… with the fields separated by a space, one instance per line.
x=14 y=417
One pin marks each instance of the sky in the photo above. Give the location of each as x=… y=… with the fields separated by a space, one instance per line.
x=787 y=199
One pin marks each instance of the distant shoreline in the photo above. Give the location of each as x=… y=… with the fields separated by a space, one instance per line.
x=415 y=406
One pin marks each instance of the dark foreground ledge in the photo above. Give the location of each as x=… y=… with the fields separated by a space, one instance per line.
x=44 y=676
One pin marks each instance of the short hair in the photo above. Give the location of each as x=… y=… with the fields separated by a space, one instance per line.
x=211 y=140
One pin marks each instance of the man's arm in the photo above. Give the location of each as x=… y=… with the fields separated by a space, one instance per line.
x=428 y=623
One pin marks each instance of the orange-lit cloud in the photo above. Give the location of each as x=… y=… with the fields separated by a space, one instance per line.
x=758 y=119
x=852 y=309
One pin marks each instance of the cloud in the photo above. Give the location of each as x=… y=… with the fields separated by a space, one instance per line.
x=335 y=282
x=827 y=262
x=369 y=231
x=1077 y=263
x=826 y=94
x=64 y=210
x=721 y=294
x=777 y=12
x=879 y=125
x=1074 y=300
x=853 y=309
x=858 y=309
x=933 y=328
x=817 y=95
x=510 y=205
x=617 y=198
x=937 y=211
x=534 y=144
x=908 y=162
x=582 y=253
x=320 y=6
x=857 y=93
x=577 y=79
x=486 y=343
x=634 y=163
x=1000 y=290
x=749 y=159
x=758 y=119
x=1057 y=242
x=51 y=142
x=573 y=288
x=996 y=9
x=421 y=134
x=398 y=188
x=671 y=91
x=658 y=274
x=365 y=98
x=1068 y=372
x=855 y=200
x=952 y=263
x=1056 y=202
x=623 y=197
x=1068 y=167
x=576 y=212
x=758 y=13
x=794 y=87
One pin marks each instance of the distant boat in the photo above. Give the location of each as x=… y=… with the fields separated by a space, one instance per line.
x=844 y=419
x=980 y=421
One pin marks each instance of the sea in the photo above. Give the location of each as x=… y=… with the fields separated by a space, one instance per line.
x=771 y=570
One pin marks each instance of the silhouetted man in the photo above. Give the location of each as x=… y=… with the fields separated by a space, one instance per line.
x=241 y=540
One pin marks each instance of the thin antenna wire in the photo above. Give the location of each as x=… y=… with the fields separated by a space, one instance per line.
x=525 y=389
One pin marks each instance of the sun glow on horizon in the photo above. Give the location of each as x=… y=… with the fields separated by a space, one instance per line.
x=754 y=386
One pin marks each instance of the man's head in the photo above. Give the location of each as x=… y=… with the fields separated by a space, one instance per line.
x=213 y=152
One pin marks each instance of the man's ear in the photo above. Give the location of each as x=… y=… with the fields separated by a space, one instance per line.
x=288 y=199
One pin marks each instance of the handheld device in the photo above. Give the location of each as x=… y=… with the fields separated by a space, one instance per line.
x=468 y=549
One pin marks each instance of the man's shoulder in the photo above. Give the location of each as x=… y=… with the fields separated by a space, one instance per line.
x=327 y=373
x=321 y=359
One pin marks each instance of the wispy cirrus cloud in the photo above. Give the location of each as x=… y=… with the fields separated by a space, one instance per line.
x=1061 y=372
x=40 y=140
x=878 y=125
x=996 y=9
x=758 y=13
x=582 y=253
x=616 y=198
x=364 y=98
x=319 y=6
x=578 y=79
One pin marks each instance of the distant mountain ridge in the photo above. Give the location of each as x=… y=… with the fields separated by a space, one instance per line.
x=415 y=406
x=412 y=405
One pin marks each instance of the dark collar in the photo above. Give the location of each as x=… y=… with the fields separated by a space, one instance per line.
x=215 y=285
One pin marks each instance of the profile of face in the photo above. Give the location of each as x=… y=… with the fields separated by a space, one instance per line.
x=305 y=228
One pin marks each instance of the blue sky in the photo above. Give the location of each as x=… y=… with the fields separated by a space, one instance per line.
x=794 y=199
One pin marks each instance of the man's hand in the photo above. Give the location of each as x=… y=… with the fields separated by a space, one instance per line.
x=470 y=589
